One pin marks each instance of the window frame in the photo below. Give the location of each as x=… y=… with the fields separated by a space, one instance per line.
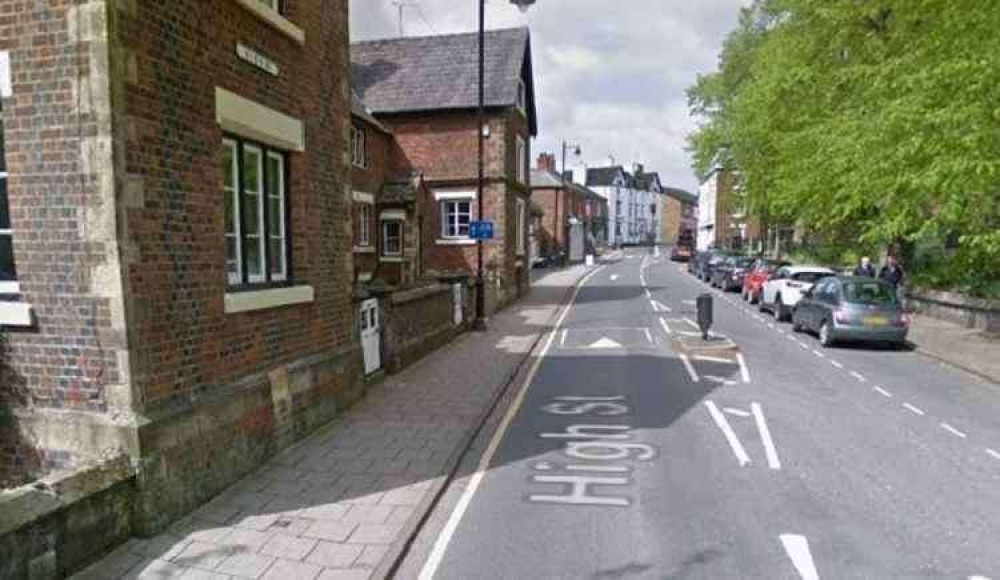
x=521 y=153
x=366 y=213
x=384 y=238
x=11 y=286
x=244 y=279
x=519 y=220
x=446 y=221
x=359 y=147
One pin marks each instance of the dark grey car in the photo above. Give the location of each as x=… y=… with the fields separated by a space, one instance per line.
x=840 y=308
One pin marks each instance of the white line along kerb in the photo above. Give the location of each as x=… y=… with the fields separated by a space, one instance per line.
x=727 y=432
x=441 y=544
x=797 y=548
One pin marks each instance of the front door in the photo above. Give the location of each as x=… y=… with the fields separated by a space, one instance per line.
x=370 y=342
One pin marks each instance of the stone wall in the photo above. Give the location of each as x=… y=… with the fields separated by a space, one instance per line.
x=66 y=521
x=958 y=308
x=420 y=320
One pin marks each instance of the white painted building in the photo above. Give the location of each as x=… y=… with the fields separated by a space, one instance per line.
x=708 y=193
x=635 y=202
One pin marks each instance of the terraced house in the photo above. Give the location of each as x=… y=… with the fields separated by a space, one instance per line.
x=423 y=90
x=177 y=186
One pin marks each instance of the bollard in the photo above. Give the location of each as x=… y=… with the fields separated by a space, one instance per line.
x=704 y=303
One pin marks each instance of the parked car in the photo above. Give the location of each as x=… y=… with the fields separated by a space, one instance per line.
x=760 y=272
x=729 y=275
x=714 y=260
x=850 y=308
x=680 y=254
x=697 y=261
x=782 y=292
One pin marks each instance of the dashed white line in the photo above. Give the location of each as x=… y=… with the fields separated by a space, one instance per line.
x=797 y=548
x=649 y=335
x=953 y=430
x=744 y=371
x=792 y=338
x=883 y=392
x=648 y=295
x=859 y=376
x=804 y=346
x=727 y=432
x=690 y=368
x=993 y=453
x=836 y=364
x=614 y=277
x=769 y=324
x=765 y=435
x=818 y=353
x=562 y=338
x=916 y=410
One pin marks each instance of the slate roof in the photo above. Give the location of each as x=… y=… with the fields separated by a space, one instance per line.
x=645 y=181
x=604 y=176
x=359 y=110
x=681 y=195
x=431 y=73
x=544 y=178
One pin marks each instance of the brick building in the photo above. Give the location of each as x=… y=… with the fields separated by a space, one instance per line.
x=680 y=217
x=424 y=90
x=180 y=217
x=566 y=204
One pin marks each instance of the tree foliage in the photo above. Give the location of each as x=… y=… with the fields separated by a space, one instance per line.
x=875 y=121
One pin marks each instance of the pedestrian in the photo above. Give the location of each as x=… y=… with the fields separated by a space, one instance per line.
x=865 y=268
x=892 y=273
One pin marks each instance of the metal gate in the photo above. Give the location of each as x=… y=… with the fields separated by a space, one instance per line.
x=370 y=336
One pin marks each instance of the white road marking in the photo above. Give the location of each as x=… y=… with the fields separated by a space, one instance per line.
x=993 y=453
x=649 y=335
x=952 y=430
x=744 y=370
x=562 y=337
x=797 y=548
x=770 y=324
x=691 y=323
x=717 y=359
x=614 y=277
x=765 y=435
x=737 y=412
x=781 y=331
x=719 y=380
x=883 y=392
x=859 y=376
x=818 y=353
x=687 y=333
x=804 y=346
x=604 y=343
x=688 y=302
x=599 y=468
x=792 y=338
x=661 y=306
x=441 y=544
x=978 y=578
x=727 y=432
x=914 y=409
x=690 y=368
x=648 y=295
x=663 y=323
x=836 y=364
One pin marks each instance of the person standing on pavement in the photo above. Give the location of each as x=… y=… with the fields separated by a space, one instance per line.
x=892 y=273
x=865 y=268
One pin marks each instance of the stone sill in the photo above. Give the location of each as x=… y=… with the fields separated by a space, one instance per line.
x=391 y=259
x=364 y=249
x=456 y=242
x=273 y=19
x=270 y=298
x=16 y=314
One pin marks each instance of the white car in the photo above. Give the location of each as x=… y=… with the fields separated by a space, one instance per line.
x=783 y=290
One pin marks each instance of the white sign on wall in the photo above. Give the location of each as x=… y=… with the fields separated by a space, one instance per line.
x=257 y=59
x=5 y=86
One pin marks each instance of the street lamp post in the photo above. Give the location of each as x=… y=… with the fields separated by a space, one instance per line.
x=523 y=5
x=577 y=151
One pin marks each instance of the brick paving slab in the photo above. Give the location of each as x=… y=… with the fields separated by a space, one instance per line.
x=341 y=504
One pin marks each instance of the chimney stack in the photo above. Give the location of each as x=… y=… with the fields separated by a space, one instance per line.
x=547 y=161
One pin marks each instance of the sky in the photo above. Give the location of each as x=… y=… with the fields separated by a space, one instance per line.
x=610 y=75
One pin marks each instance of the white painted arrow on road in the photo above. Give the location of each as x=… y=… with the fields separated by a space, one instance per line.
x=605 y=342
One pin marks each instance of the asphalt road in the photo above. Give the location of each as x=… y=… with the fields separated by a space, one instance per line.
x=635 y=450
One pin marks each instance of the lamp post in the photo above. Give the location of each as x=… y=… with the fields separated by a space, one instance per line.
x=559 y=225
x=523 y=5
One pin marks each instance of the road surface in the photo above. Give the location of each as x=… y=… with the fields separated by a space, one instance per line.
x=636 y=450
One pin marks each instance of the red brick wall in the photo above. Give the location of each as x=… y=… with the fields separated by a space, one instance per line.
x=184 y=340
x=370 y=179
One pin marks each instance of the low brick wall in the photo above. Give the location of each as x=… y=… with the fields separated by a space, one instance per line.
x=64 y=522
x=958 y=308
x=420 y=320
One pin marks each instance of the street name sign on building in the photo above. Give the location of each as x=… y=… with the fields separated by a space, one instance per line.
x=481 y=230
x=257 y=59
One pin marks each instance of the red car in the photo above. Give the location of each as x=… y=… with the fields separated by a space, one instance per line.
x=760 y=272
x=680 y=253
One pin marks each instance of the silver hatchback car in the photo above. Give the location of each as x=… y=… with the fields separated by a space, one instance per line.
x=840 y=308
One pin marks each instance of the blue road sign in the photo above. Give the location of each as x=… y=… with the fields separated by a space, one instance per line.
x=481 y=230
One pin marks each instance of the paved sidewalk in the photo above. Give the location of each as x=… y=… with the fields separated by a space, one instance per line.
x=341 y=504
x=967 y=348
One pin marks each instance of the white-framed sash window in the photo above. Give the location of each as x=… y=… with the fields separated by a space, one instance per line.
x=392 y=238
x=456 y=214
x=8 y=271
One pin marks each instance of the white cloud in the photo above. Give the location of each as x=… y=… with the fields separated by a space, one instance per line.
x=610 y=74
